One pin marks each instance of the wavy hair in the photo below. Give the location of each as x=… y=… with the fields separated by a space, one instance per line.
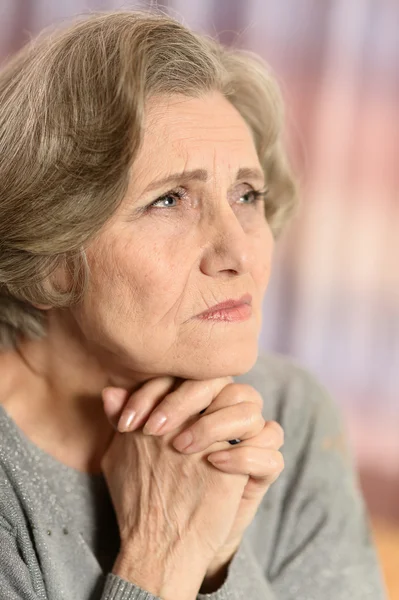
x=72 y=103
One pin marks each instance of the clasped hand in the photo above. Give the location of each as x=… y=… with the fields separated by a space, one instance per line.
x=232 y=410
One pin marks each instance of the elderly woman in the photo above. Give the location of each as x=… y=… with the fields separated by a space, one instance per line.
x=142 y=187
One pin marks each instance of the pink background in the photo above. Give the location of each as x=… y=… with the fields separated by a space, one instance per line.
x=333 y=301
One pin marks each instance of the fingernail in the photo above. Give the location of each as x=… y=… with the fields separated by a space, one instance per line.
x=183 y=441
x=126 y=420
x=154 y=424
x=219 y=458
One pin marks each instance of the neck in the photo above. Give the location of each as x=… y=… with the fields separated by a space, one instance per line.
x=53 y=392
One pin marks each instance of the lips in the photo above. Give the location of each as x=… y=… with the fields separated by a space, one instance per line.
x=245 y=299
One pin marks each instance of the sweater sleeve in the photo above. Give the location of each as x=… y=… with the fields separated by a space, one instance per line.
x=117 y=588
x=15 y=580
x=244 y=580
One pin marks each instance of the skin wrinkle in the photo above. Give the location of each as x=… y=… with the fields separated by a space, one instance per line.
x=152 y=271
x=154 y=481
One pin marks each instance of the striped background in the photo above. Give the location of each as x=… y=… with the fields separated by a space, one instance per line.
x=333 y=301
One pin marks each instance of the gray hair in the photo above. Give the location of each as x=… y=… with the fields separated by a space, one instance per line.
x=71 y=112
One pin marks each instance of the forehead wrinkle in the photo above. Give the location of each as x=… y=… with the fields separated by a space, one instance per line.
x=236 y=142
x=234 y=146
x=164 y=130
x=170 y=129
x=236 y=133
x=240 y=128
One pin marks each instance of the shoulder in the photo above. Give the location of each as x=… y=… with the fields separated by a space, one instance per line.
x=289 y=391
x=17 y=478
x=9 y=505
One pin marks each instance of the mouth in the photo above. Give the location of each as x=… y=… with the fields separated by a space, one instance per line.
x=229 y=310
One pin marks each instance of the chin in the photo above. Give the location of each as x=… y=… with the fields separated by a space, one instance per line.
x=229 y=362
x=241 y=363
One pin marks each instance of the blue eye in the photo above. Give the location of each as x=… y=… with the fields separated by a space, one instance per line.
x=175 y=195
x=166 y=201
x=253 y=196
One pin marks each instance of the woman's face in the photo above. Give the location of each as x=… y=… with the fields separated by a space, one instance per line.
x=189 y=234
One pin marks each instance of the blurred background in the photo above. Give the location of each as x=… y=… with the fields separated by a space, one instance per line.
x=333 y=300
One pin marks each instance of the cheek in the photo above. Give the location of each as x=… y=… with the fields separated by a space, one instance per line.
x=263 y=250
x=150 y=275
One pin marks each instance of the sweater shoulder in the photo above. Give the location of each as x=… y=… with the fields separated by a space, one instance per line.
x=295 y=398
x=15 y=473
x=9 y=505
x=286 y=387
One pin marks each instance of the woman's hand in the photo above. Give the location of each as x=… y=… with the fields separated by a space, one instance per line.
x=174 y=512
x=232 y=411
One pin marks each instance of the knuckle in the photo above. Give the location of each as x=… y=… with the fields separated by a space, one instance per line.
x=255 y=396
x=242 y=392
x=154 y=387
x=250 y=394
x=234 y=392
x=279 y=431
x=277 y=461
x=251 y=414
x=170 y=403
x=200 y=431
x=249 y=411
x=261 y=422
x=141 y=399
x=212 y=387
x=247 y=455
x=189 y=386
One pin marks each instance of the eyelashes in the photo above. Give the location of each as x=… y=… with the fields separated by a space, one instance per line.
x=258 y=194
x=180 y=194
x=174 y=194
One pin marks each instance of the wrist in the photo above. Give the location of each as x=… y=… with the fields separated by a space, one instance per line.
x=217 y=571
x=177 y=579
x=134 y=570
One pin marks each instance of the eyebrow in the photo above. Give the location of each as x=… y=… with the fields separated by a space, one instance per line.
x=202 y=175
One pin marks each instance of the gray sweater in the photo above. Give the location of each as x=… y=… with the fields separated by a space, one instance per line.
x=309 y=540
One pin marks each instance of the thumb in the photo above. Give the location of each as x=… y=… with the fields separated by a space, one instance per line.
x=114 y=400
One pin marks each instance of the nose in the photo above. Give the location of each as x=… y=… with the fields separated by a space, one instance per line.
x=228 y=249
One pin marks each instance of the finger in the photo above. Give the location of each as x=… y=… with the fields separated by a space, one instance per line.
x=113 y=402
x=278 y=433
x=243 y=421
x=262 y=465
x=143 y=401
x=272 y=436
x=190 y=399
x=235 y=393
x=182 y=403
